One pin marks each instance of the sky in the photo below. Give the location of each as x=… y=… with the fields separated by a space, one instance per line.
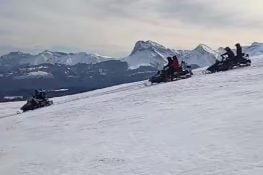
x=112 y=27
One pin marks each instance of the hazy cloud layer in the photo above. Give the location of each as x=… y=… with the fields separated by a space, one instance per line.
x=111 y=27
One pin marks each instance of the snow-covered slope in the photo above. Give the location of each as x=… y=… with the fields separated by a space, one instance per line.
x=48 y=57
x=208 y=124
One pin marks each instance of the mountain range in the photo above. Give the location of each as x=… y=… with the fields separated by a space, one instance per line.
x=21 y=73
x=14 y=59
x=144 y=53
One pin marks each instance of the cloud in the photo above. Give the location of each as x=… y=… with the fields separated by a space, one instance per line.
x=205 y=13
x=194 y=12
x=113 y=26
x=213 y=13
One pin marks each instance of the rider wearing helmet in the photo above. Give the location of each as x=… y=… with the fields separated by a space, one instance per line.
x=230 y=54
x=172 y=67
x=240 y=54
x=170 y=61
x=168 y=68
x=231 y=59
x=176 y=66
x=40 y=94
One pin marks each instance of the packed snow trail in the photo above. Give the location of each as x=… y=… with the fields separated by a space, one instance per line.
x=10 y=112
x=210 y=124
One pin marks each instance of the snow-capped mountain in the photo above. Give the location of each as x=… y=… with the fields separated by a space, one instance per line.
x=202 y=56
x=15 y=59
x=145 y=53
x=255 y=50
x=19 y=58
x=149 y=53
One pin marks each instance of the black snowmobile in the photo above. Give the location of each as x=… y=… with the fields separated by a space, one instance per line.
x=228 y=64
x=36 y=101
x=162 y=76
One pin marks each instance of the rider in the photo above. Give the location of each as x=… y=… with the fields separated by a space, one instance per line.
x=170 y=61
x=230 y=56
x=168 y=68
x=176 y=67
x=36 y=94
x=240 y=54
x=40 y=94
x=173 y=66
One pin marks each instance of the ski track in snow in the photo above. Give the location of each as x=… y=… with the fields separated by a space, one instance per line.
x=208 y=124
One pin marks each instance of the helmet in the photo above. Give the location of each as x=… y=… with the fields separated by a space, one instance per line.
x=169 y=58
x=227 y=48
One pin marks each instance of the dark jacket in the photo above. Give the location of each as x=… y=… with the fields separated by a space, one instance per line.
x=170 y=62
x=229 y=53
x=239 y=51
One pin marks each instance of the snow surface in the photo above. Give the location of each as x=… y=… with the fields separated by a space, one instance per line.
x=205 y=125
x=60 y=90
x=13 y=97
x=36 y=74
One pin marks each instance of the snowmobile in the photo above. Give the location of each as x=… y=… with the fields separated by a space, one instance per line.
x=34 y=103
x=227 y=64
x=162 y=76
